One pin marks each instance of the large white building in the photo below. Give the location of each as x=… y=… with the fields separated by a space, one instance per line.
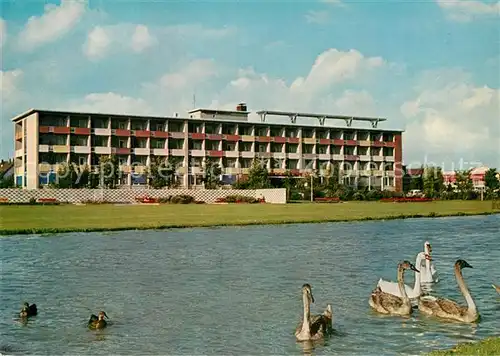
x=367 y=155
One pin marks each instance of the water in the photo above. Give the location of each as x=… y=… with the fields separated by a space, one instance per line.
x=237 y=290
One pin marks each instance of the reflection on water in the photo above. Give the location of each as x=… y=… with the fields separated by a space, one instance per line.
x=237 y=290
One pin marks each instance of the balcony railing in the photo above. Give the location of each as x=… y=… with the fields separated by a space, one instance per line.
x=80 y=131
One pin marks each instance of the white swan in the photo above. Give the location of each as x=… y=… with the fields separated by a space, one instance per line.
x=393 y=287
x=428 y=274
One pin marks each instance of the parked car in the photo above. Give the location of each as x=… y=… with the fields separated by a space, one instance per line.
x=417 y=193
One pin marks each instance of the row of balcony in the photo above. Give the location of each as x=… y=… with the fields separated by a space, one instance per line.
x=211 y=127
x=215 y=137
x=205 y=153
x=261 y=149
x=141 y=169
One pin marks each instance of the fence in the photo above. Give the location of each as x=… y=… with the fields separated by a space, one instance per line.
x=273 y=196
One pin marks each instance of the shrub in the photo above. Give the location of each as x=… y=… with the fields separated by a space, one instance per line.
x=294 y=195
x=358 y=196
x=240 y=199
x=94 y=202
x=182 y=199
x=374 y=194
x=164 y=200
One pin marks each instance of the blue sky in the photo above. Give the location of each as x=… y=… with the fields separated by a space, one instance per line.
x=430 y=67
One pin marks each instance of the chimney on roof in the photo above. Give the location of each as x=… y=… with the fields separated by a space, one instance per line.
x=241 y=107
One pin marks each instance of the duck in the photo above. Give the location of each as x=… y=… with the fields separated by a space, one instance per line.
x=97 y=322
x=28 y=310
x=413 y=293
x=448 y=309
x=386 y=303
x=428 y=273
x=314 y=327
x=497 y=288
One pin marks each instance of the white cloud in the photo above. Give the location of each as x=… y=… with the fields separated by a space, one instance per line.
x=52 y=25
x=457 y=119
x=3 y=32
x=142 y=39
x=110 y=103
x=319 y=17
x=193 y=74
x=334 y=66
x=98 y=41
x=198 y=30
x=359 y=103
x=102 y=40
x=9 y=82
x=467 y=10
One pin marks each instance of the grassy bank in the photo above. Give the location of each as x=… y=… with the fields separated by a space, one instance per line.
x=489 y=346
x=63 y=218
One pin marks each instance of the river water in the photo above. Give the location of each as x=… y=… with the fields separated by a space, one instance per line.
x=236 y=290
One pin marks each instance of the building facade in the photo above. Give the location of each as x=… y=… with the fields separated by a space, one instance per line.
x=477 y=175
x=367 y=156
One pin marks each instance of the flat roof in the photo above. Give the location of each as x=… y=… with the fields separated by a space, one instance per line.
x=217 y=111
x=317 y=116
x=58 y=112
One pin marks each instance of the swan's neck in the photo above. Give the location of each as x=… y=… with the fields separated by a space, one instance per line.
x=307 y=313
x=465 y=291
x=428 y=266
x=401 y=284
x=416 y=287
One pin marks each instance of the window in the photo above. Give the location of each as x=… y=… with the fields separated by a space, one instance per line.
x=211 y=129
x=348 y=135
x=307 y=149
x=261 y=131
x=307 y=133
x=245 y=146
x=276 y=132
x=262 y=147
x=322 y=149
x=122 y=143
x=276 y=147
x=245 y=130
x=291 y=133
x=82 y=160
x=157 y=143
x=196 y=144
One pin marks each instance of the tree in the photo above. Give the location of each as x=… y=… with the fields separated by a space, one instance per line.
x=258 y=176
x=170 y=171
x=491 y=179
x=289 y=182
x=7 y=182
x=433 y=181
x=155 y=172
x=211 y=173
x=464 y=184
x=332 y=174
x=72 y=176
x=109 y=171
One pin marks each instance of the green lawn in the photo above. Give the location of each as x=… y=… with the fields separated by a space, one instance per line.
x=490 y=346
x=59 y=218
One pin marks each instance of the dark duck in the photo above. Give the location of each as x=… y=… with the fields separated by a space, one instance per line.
x=97 y=322
x=28 y=310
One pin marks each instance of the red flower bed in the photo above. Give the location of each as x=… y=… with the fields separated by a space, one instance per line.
x=406 y=200
x=147 y=200
x=330 y=200
x=46 y=200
